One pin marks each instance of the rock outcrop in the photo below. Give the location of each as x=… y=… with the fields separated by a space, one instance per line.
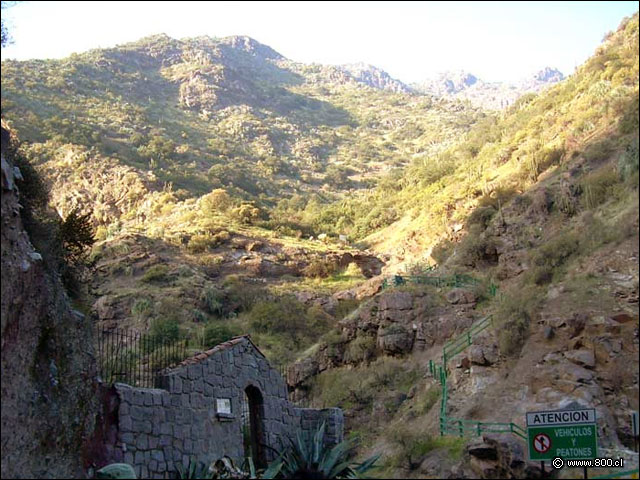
x=48 y=364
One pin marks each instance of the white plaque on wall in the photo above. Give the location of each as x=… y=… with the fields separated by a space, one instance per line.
x=223 y=405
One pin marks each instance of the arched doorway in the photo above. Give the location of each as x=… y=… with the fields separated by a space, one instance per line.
x=252 y=425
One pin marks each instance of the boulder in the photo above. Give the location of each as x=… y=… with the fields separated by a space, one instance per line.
x=462 y=361
x=476 y=355
x=105 y=308
x=577 y=323
x=479 y=449
x=483 y=354
x=395 y=340
x=458 y=296
x=574 y=373
x=584 y=358
x=301 y=371
x=511 y=264
x=491 y=354
x=369 y=265
x=396 y=301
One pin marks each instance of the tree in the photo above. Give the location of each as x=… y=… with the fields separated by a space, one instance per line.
x=77 y=235
x=5 y=37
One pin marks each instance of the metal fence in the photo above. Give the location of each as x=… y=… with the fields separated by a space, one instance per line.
x=134 y=358
x=460 y=426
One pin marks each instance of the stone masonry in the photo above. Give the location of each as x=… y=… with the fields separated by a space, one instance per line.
x=159 y=428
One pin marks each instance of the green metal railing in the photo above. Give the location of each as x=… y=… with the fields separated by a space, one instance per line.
x=455 y=280
x=460 y=343
x=460 y=426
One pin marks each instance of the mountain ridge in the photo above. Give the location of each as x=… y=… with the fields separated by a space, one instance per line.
x=463 y=85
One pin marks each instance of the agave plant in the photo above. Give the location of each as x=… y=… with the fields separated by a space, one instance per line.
x=194 y=470
x=116 y=470
x=310 y=459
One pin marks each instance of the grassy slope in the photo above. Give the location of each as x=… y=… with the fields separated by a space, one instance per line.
x=588 y=115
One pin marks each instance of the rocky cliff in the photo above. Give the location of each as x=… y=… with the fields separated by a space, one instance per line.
x=48 y=367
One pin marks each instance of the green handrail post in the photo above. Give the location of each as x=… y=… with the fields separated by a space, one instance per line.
x=479 y=429
x=630 y=473
x=460 y=428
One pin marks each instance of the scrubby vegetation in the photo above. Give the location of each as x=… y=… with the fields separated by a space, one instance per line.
x=223 y=188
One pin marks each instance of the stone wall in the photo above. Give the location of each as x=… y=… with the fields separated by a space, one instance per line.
x=159 y=428
x=333 y=418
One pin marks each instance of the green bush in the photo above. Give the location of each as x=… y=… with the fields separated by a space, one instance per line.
x=481 y=216
x=361 y=349
x=411 y=446
x=216 y=333
x=155 y=274
x=565 y=200
x=475 y=248
x=200 y=243
x=218 y=201
x=597 y=187
x=141 y=308
x=212 y=300
x=514 y=314
x=282 y=315
x=320 y=268
x=77 y=235
x=198 y=316
x=165 y=329
x=555 y=252
x=241 y=295
x=628 y=163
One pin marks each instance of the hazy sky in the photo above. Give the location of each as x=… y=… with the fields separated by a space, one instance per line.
x=410 y=40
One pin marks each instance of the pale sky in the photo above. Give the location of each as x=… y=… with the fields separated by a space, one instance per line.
x=412 y=41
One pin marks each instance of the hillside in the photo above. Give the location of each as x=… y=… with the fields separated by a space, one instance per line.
x=235 y=191
x=199 y=114
x=206 y=165
x=537 y=215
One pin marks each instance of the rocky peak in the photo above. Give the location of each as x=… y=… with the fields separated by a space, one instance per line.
x=249 y=45
x=549 y=75
x=374 y=77
x=449 y=83
x=495 y=95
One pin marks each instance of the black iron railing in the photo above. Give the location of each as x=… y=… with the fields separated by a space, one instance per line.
x=135 y=358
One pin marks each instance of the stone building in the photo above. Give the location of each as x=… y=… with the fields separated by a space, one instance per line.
x=224 y=401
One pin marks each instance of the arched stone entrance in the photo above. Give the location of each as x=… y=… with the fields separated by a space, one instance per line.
x=253 y=425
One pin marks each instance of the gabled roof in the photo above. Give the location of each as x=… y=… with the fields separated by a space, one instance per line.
x=218 y=348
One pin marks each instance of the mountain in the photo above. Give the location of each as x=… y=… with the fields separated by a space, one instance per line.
x=491 y=95
x=206 y=164
x=203 y=113
x=375 y=77
x=448 y=83
x=355 y=232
